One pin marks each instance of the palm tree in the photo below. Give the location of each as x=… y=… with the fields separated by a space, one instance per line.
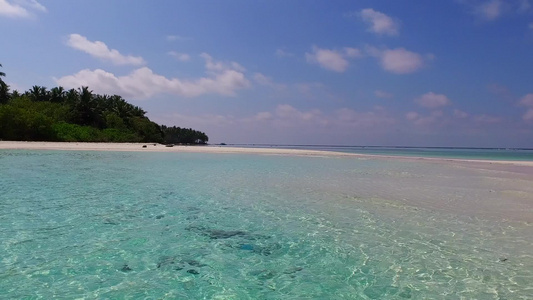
x=15 y=94
x=38 y=93
x=88 y=110
x=84 y=106
x=72 y=97
x=57 y=94
x=4 y=92
x=4 y=89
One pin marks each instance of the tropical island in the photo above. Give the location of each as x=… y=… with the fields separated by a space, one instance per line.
x=79 y=115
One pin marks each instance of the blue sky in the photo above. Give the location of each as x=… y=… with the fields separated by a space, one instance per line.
x=408 y=73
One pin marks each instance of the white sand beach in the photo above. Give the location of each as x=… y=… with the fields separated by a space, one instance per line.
x=74 y=146
x=156 y=148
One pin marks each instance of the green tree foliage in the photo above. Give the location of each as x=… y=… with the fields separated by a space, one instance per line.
x=4 y=89
x=56 y=94
x=4 y=92
x=79 y=115
x=38 y=94
x=177 y=135
x=19 y=120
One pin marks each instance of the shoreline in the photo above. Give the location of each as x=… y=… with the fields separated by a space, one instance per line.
x=151 y=147
x=499 y=189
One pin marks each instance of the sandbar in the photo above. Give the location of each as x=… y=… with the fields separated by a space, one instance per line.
x=151 y=147
x=500 y=188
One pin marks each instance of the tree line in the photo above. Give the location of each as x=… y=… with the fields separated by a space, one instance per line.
x=177 y=135
x=79 y=115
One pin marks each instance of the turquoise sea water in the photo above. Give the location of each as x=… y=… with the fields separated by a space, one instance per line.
x=440 y=152
x=131 y=225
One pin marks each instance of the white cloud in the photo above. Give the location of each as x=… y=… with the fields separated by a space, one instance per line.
x=490 y=10
x=100 y=50
x=332 y=60
x=460 y=114
x=216 y=66
x=287 y=116
x=379 y=22
x=20 y=9
x=346 y=117
x=399 y=60
x=282 y=53
x=263 y=116
x=285 y=123
x=352 y=52
x=527 y=100
x=458 y=120
x=206 y=122
x=12 y=10
x=267 y=81
x=412 y=115
x=487 y=119
x=172 y=38
x=328 y=59
x=33 y=4
x=311 y=89
x=179 y=56
x=144 y=83
x=435 y=117
x=288 y=112
x=503 y=92
x=432 y=100
x=262 y=79
x=528 y=116
x=383 y=94
x=17 y=87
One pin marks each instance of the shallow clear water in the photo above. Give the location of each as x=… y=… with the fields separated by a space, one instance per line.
x=115 y=225
x=516 y=154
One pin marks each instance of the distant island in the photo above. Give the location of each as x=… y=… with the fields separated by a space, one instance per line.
x=79 y=115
